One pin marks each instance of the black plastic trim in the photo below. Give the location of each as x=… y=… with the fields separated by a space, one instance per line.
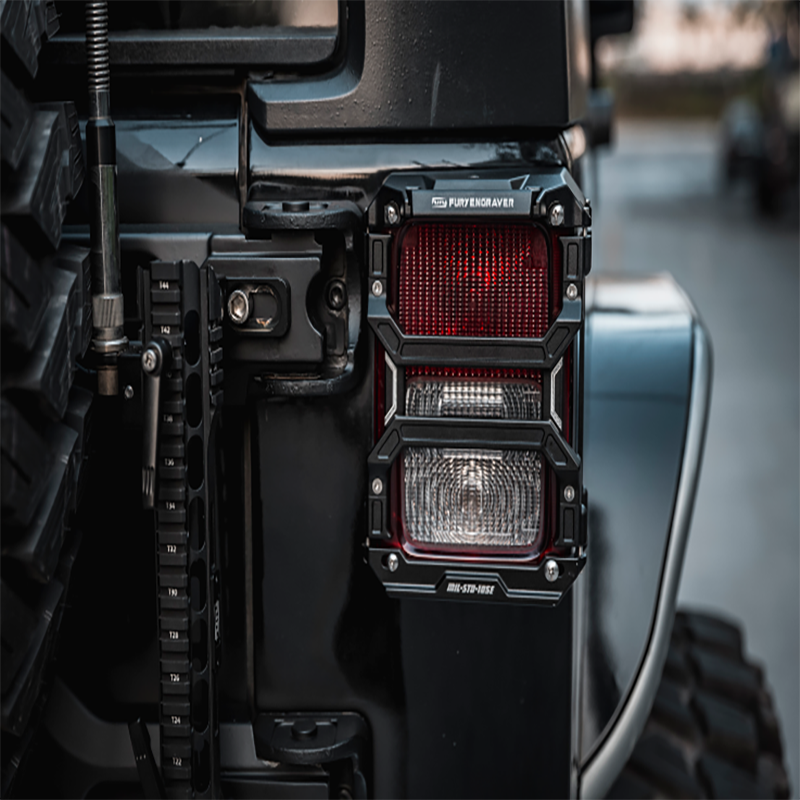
x=260 y=46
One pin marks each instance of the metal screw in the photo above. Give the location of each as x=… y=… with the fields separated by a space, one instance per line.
x=392 y=214
x=550 y=570
x=572 y=291
x=377 y=288
x=150 y=360
x=556 y=215
x=238 y=306
x=337 y=295
x=392 y=562
x=377 y=486
x=569 y=494
x=128 y=392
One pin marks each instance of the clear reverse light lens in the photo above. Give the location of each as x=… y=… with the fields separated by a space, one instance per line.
x=478 y=398
x=472 y=498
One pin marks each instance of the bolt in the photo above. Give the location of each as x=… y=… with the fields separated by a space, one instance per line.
x=392 y=214
x=569 y=494
x=128 y=392
x=550 y=570
x=377 y=288
x=238 y=306
x=337 y=295
x=392 y=562
x=377 y=486
x=572 y=291
x=150 y=360
x=556 y=215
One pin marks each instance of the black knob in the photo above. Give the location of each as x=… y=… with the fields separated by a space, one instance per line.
x=304 y=729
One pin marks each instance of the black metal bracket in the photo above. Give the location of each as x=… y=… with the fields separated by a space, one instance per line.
x=576 y=257
x=498 y=195
x=182 y=313
x=540 y=435
x=316 y=738
x=508 y=194
x=475 y=351
x=403 y=576
x=261 y=217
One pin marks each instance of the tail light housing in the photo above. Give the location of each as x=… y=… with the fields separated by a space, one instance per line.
x=476 y=311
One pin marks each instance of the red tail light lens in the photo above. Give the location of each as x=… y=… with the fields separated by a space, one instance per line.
x=478 y=279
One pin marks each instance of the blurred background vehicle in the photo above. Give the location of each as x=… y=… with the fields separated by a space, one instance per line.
x=706 y=97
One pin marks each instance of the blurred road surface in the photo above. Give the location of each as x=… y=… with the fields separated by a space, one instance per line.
x=660 y=205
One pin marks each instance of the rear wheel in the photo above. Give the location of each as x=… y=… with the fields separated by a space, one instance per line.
x=713 y=731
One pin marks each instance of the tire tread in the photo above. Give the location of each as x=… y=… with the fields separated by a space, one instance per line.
x=712 y=731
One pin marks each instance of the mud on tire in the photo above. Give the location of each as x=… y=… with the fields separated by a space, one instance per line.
x=713 y=731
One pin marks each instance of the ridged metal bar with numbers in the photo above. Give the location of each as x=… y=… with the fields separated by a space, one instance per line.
x=185 y=311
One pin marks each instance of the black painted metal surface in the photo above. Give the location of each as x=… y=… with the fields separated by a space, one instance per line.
x=488 y=693
x=420 y=66
x=260 y=46
x=454 y=694
x=326 y=634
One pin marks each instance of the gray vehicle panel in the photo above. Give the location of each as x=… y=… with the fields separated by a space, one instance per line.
x=647 y=385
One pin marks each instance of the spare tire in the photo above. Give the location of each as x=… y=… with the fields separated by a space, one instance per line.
x=713 y=731
x=45 y=313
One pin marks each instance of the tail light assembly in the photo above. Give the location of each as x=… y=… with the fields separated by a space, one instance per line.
x=476 y=313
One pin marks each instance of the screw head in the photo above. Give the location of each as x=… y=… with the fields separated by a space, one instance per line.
x=337 y=295
x=392 y=214
x=550 y=570
x=377 y=288
x=238 y=306
x=572 y=291
x=128 y=392
x=569 y=493
x=556 y=215
x=392 y=562
x=377 y=486
x=150 y=360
